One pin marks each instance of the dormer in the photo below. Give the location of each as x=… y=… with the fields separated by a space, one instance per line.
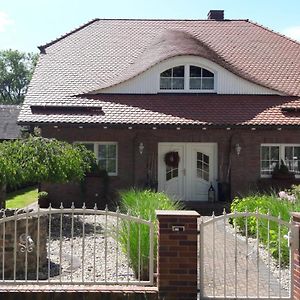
x=187 y=78
x=188 y=74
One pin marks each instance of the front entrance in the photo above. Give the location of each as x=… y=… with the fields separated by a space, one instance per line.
x=196 y=170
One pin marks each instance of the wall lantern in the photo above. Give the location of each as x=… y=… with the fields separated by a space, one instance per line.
x=238 y=149
x=141 y=147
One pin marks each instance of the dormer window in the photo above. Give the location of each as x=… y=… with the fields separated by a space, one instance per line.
x=201 y=79
x=172 y=79
x=187 y=78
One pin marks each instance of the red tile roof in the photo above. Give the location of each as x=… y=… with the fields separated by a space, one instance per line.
x=183 y=109
x=104 y=53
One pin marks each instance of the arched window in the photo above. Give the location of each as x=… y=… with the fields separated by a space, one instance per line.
x=172 y=79
x=201 y=79
x=187 y=78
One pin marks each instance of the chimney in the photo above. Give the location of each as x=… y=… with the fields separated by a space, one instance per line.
x=217 y=15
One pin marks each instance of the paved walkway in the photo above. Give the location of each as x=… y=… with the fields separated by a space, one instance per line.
x=250 y=278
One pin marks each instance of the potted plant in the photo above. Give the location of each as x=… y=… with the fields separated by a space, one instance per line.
x=282 y=172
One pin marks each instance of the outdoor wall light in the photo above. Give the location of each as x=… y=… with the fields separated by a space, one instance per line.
x=238 y=149
x=141 y=147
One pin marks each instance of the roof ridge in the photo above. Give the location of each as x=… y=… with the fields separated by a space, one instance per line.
x=166 y=19
x=43 y=47
x=275 y=32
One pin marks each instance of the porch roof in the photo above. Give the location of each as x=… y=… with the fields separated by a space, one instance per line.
x=174 y=109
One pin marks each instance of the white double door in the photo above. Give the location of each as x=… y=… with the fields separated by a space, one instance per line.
x=196 y=170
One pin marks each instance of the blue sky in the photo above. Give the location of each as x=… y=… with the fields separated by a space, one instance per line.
x=26 y=24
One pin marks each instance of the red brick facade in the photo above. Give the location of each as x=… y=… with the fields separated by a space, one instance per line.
x=242 y=172
x=177 y=255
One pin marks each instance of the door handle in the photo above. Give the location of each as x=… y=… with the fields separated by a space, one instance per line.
x=184 y=172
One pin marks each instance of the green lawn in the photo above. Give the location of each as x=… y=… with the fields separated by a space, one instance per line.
x=21 y=198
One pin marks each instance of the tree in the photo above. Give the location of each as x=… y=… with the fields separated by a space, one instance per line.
x=16 y=69
x=38 y=159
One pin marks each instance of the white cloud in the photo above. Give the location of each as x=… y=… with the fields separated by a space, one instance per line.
x=292 y=32
x=5 y=20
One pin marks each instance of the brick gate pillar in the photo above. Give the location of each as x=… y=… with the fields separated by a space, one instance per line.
x=177 y=254
x=295 y=266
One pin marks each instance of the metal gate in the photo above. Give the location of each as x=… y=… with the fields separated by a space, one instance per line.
x=245 y=255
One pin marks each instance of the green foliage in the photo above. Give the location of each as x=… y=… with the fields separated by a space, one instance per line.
x=142 y=203
x=16 y=70
x=42 y=195
x=264 y=204
x=38 y=159
x=22 y=198
x=295 y=190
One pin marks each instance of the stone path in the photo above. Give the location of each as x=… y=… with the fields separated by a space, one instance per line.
x=258 y=282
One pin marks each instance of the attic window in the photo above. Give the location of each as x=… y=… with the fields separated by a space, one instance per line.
x=172 y=79
x=187 y=78
x=201 y=79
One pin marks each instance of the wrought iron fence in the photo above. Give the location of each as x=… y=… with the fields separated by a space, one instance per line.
x=75 y=246
x=245 y=255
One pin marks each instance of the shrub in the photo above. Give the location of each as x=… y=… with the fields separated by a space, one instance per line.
x=141 y=203
x=277 y=206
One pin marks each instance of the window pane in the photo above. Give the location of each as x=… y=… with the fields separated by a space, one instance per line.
x=111 y=151
x=296 y=152
x=265 y=154
x=178 y=71
x=107 y=157
x=199 y=164
x=167 y=73
x=165 y=83
x=195 y=71
x=288 y=153
x=178 y=83
x=111 y=166
x=195 y=83
x=207 y=83
x=88 y=146
x=206 y=73
x=102 y=152
x=206 y=168
x=102 y=164
x=168 y=176
x=274 y=153
x=175 y=173
x=206 y=176
x=269 y=159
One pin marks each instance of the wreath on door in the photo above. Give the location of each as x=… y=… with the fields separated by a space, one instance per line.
x=172 y=159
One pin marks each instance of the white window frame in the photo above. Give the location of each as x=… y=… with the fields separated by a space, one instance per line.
x=96 y=152
x=281 y=155
x=186 y=88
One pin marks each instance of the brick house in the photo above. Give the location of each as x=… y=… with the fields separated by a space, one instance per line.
x=173 y=104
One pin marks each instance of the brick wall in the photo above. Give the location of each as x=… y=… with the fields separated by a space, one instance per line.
x=177 y=255
x=132 y=167
x=9 y=242
x=75 y=295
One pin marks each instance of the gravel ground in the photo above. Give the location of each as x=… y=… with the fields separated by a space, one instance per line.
x=92 y=259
